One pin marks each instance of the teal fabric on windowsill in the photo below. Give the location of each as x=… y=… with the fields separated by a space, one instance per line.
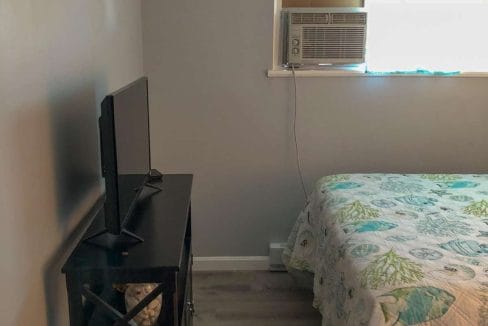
x=414 y=72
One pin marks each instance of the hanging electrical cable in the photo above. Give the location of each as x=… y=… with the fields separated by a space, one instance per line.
x=297 y=152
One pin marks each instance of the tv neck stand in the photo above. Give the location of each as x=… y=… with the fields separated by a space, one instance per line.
x=126 y=239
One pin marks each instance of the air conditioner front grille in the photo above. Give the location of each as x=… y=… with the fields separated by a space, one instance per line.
x=348 y=18
x=333 y=42
x=310 y=18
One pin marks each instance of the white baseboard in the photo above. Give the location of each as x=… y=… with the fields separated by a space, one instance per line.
x=242 y=263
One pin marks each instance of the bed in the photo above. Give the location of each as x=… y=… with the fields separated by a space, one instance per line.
x=395 y=249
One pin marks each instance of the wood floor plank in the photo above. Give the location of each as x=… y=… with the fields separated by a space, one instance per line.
x=256 y=298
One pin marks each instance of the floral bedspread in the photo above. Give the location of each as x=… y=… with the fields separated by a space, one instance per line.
x=392 y=249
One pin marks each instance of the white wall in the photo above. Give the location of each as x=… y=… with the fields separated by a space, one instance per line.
x=214 y=113
x=57 y=60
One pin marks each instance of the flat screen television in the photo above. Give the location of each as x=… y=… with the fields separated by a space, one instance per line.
x=125 y=153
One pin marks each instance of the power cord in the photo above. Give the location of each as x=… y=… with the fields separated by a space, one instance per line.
x=295 y=135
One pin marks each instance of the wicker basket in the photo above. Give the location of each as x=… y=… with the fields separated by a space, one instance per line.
x=134 y=293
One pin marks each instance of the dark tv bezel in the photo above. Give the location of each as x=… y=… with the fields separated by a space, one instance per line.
x=114 y=223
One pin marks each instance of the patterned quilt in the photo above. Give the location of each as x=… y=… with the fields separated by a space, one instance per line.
x=391 y=249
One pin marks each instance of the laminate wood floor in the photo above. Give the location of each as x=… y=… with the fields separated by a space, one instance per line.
x=251 y=298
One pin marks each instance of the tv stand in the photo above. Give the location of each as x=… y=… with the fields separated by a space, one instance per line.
x=164 y=258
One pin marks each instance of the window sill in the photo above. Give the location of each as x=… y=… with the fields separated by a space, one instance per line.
x=286 y=73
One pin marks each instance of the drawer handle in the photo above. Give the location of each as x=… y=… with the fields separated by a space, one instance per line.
x=191 y=307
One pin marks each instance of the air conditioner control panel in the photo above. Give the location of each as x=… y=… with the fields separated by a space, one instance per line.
x=294 y=48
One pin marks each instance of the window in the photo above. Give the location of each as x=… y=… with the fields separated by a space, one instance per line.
x=420 y=35
x=432 y=35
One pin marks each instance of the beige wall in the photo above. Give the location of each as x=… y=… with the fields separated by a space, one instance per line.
x=57 y=60
x=215 y=113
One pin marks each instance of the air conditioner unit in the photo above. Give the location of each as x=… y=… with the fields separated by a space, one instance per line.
x=324 y=36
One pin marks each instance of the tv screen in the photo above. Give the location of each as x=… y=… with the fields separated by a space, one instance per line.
x=124 y=130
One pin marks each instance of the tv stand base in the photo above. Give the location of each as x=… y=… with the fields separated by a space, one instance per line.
x=155 y=175
x=107 y=240
x=149 y=185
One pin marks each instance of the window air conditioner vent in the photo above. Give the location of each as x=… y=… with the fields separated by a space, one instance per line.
x=332 y=42
x=348 y=19
x=310 y=18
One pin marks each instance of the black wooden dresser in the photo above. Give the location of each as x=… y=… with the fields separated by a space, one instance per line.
x=163 y=220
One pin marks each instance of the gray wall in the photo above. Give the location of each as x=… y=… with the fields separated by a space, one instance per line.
x=57 y=60
x=215 y=113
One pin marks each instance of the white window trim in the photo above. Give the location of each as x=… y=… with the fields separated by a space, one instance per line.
x=278 y=71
